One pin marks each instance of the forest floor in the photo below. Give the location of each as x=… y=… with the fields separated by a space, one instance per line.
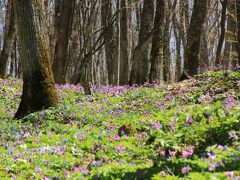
x=188 y=130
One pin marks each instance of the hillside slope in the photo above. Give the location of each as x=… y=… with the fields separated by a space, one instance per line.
x=185 y=130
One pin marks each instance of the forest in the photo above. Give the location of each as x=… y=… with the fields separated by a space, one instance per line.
x=120 y=89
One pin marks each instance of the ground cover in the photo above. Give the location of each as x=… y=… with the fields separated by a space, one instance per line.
x=186 y=130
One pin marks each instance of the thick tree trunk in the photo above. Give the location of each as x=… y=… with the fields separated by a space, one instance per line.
x=9 y=37
x=124 y=46
x=140 y=63
x=38 y=82
x=157 y=39
x=223 y=31
x=63 y=36
x=193 y=38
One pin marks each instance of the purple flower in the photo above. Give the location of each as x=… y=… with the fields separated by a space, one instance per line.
x=220 y=147
x=188 y=152
x=185 y=170
x=172 y=128
x=189 y=120
x=156 y=125
x=230 y=174
x=39 y=171
x=172 y=153
x=120 y=149
x=66 y=174
x=220 y=164
x=212 y=168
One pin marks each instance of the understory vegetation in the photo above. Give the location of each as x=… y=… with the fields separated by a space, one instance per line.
x=187 y=130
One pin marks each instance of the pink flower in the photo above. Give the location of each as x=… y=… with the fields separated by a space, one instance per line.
x=220 y=164
x=39 y=171
x=66 y=174
x=190 y=150
x=185 y=170
x=172 y=153
x=156 y=125
x=185 y=153
x=212 y=168
x=162 y=153
x=230 y=174
x=120 y=149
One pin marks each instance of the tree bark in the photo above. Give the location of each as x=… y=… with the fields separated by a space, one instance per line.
x=140 y=63
x=110 y=41
x=238 y=28
x=124 y=46
x=63 y=36
x=38 y=82
x=222 y=34
x=9 y=37
x=230 y=47
x=193 y=38
x=157 y=40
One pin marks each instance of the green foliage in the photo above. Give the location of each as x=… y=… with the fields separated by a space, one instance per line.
x=180 y=131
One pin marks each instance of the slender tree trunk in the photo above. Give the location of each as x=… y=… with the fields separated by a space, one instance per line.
x=63 y=36
x=124 y=46
x=157 y=39
x=238 y=28
x=110 y=42
x=38 y=82
x=193 y=38
x=222 y=34
x=203 y=54
x=166 y=44
x=230 y=47
x=9 y=37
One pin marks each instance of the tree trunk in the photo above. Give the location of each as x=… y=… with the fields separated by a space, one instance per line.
x=193 y=38
x=63 y=36
x=230 y=47
x=140 y=62
x=238 y=28
x=124 y=46
x=110 y=42
x=223 y=30
x=38 y=82
x=9 y=37
x=157 y=47
x=166 y=43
